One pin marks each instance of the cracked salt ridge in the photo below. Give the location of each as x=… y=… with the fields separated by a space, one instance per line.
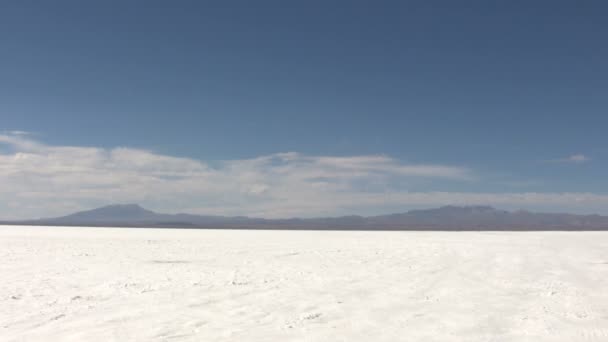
x=103 y=284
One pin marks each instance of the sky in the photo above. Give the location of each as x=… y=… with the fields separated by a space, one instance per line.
x=302 y=108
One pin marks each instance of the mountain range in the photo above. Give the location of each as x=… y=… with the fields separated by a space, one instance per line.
x=452 y=218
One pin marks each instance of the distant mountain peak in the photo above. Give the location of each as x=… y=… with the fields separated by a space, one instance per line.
x=451 y=217
x=122 y=208
x=129 y=206
x=113 y=212
x=468 y=208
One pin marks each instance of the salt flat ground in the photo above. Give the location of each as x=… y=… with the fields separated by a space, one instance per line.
x=107 y=284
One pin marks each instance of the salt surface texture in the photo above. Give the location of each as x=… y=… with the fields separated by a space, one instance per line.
x=108 y=284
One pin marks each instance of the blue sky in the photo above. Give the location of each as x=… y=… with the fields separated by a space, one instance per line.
x=509 y=98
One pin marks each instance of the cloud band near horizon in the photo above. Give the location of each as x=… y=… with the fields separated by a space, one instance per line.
x=39 y=180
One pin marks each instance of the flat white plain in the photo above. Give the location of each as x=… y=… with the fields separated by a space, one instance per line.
x=109 y=284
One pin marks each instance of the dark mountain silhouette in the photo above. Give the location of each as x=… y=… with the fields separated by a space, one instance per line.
x=112 y=213
x=444 y=218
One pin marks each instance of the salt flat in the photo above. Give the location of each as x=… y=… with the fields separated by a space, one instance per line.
x=107 y=284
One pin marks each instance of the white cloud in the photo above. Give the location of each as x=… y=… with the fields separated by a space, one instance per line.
x=19 y=133
x=574 y=159
x=39 y=180
x=578 y=158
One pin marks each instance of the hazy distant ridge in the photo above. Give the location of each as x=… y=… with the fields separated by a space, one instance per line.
x=444 y=218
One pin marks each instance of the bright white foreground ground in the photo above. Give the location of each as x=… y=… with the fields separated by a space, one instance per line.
x=85 y=284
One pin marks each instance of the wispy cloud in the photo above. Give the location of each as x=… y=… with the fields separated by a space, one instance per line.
x=18 y=133
x=41 y=180
x=572 y=159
